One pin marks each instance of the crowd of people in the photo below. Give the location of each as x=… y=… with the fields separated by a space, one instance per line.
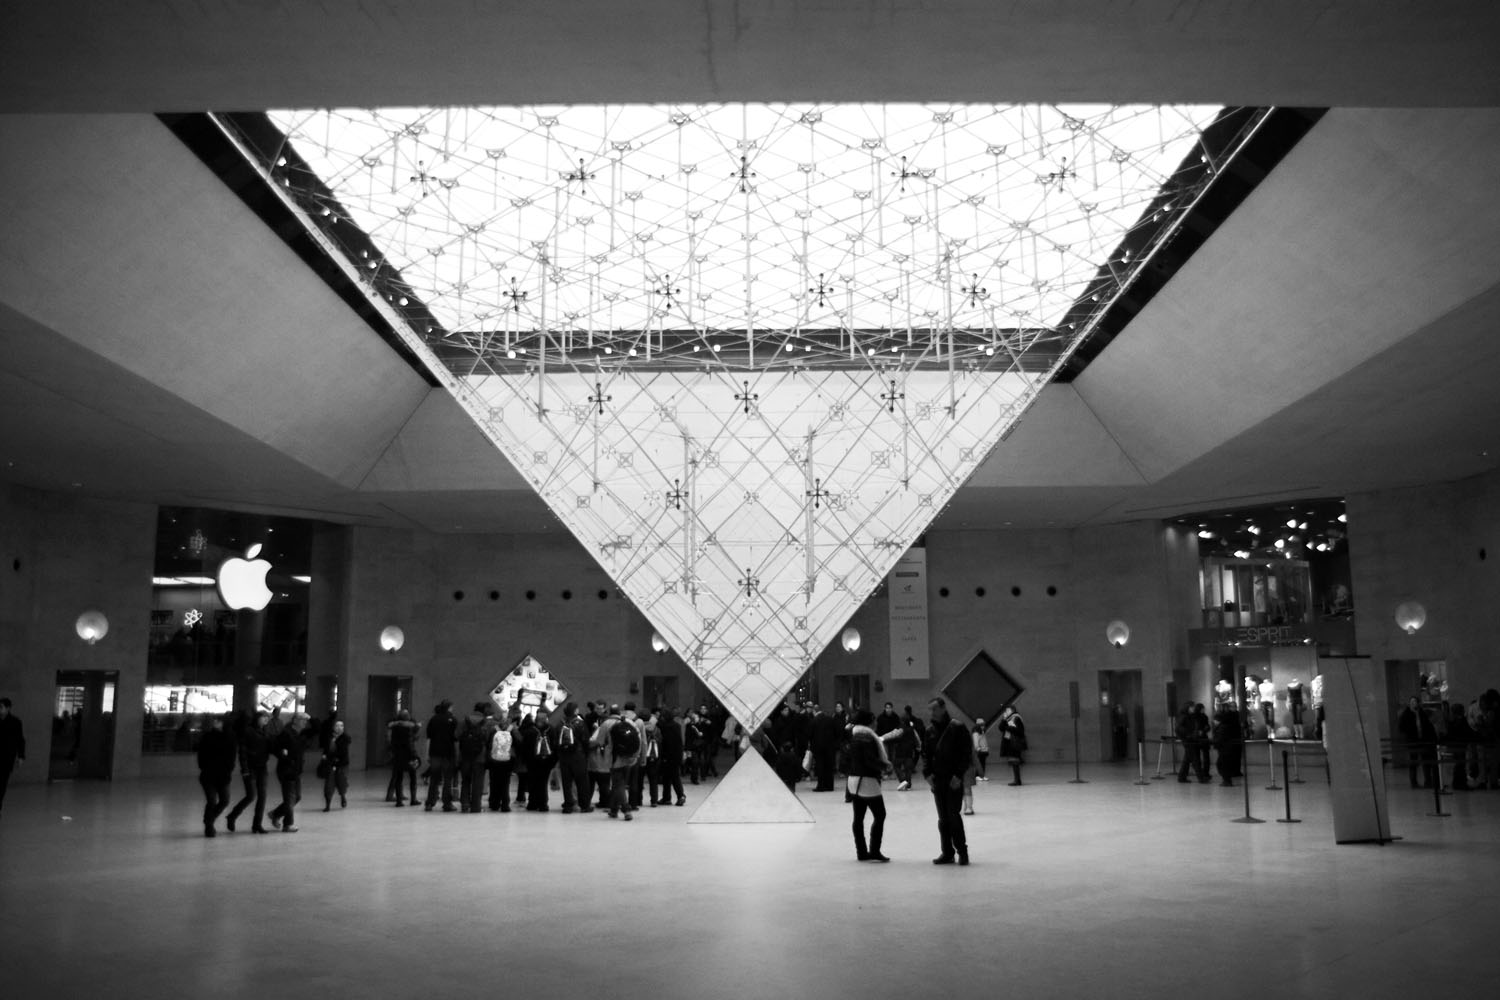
x=611 y=758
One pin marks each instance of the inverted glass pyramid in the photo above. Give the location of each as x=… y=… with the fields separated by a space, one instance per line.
x=746 y=353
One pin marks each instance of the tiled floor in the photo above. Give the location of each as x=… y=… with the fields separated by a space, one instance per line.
x=1105 y=889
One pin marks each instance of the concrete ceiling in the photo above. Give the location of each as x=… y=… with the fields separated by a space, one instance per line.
x=1337 y=333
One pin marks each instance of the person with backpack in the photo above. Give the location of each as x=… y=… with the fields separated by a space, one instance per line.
x=501 y=756
x=471 y=760
x=620 y=734
x=570 y=737
x=598 y=764
x=539 y=755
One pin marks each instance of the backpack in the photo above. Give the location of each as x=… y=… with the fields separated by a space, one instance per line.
x=500 y=745
x=624 y=741
x=470 y=742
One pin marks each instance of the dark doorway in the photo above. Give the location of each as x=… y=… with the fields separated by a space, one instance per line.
x=1122 y=714
x=83 y=725
x=389 y=694
x=851 y=689
x=659 y=691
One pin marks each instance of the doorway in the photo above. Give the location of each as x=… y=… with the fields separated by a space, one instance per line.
x=851 y=689
x=659 y=691
x=1122 y=714
x=83 y=725
x=389 y=694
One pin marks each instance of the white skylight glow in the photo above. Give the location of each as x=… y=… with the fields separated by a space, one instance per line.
x=733 y=217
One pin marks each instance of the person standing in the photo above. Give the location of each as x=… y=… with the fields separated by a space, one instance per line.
x=619 y=735
x=669 y=768
x=1228 y=735
x=288 y=750
x=402 y=734
x=823 y=741
x=981 y=748
x=336 y=774
x=1416 y=728
x=1013 y=741
x=12 y=746
x=571 y=739
x=692 y=736
x=539 y=755
x=216 y=754
x=648 y=771
x=472 y=751
x=255 y=754
x=501 y=759
x=947 y=757
x=867 y=762
x=442 y=751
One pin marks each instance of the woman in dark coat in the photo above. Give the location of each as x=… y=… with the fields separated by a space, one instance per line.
x=1013 y=741
x=1229 y=737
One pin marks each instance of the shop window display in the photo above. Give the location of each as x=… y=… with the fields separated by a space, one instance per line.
x=211 y=650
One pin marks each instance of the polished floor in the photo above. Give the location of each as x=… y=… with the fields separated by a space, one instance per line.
x=1104 y=889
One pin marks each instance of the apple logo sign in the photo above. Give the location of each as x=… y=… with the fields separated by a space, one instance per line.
x=242 y=582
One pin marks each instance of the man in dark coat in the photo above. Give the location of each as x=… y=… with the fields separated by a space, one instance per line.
x=12 y=745
x=442 y=755
x=949 y=749
x=823 y=741
x=255 y=753
x=216 y=754
x=288 y=748
x=1420 y=736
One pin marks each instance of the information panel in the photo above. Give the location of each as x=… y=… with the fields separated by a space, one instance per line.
x=1351 y=734
x=907 y=587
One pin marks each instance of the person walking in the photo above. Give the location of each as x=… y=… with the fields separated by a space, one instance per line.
x=1013 y=741
x=868 y=761
x=335 y=766
x=12 y=746
x=288 y=750
x=1228 y=736
x=255 y=756
x=216 y=755
x=946 y=758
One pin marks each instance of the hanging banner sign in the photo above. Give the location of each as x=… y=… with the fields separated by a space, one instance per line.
x=907 y=590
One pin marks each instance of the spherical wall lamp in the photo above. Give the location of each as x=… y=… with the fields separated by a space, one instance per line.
x=92 y=626
x=658 y=644
x=850 y=639
x=1118 y=633
x=392 y=638
x=1410 y=616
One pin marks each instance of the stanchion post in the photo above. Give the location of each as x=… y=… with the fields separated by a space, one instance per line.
x=1140 y=762
x=1160 y=746
x=1245 y=783
x=1296 y=771
x=1288 y=792
x=1437 y=798
x=1271 y=765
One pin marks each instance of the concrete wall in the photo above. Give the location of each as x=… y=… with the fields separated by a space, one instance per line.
x=62 y=555
x=1425 y=544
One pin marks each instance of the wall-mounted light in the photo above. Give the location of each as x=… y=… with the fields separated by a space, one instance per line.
x=850 y=639
x=92 y=626
x=1118 y=633
x=658 y=643
x=1410 y=616
x=392 y=638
